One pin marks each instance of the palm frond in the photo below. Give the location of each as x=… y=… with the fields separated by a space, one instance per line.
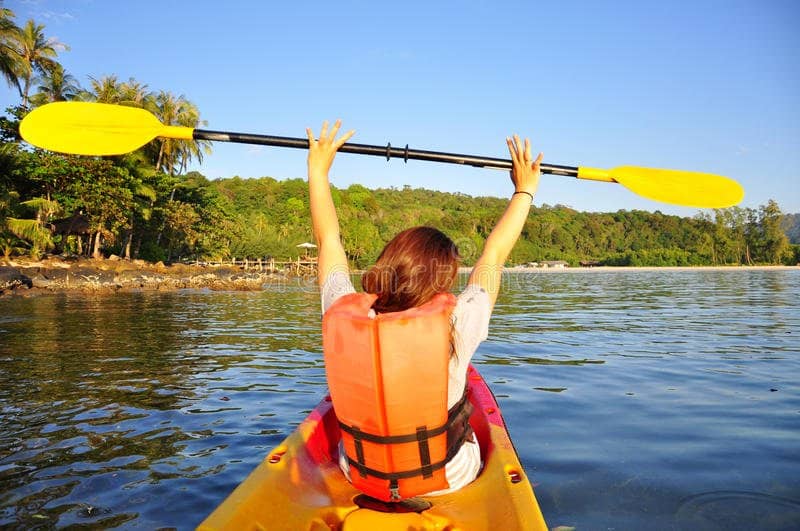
x=31 y=230
x=146 y=191
x=43 y=205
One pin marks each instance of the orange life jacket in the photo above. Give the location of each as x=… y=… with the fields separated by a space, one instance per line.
x=388 y=381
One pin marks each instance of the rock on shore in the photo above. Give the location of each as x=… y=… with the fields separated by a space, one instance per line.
x=79 y=274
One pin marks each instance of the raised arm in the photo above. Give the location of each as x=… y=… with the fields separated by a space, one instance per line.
x=488 y=270
x=321 y=153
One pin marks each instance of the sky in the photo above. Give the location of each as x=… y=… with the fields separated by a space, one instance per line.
x=711 y=86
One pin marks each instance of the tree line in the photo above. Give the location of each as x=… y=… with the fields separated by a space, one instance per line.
x=115 y=203
x=272 y=216
x=145 y=205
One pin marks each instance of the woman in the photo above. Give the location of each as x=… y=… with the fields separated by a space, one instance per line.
x=367 y=338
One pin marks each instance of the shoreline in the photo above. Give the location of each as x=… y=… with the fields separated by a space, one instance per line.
x=24 y=278
x=646 y=268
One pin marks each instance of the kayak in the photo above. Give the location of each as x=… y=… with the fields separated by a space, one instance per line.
x=299 y=485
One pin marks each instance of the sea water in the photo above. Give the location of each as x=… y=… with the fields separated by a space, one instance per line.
x=656 y=399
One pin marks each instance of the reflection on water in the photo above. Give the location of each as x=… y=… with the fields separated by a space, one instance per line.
x=657 y=400
x=124 y=408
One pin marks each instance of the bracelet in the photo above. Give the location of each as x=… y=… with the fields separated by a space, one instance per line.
x=521 y=192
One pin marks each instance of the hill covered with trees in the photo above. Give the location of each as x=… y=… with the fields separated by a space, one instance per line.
x=272 y=216
x=791 y=226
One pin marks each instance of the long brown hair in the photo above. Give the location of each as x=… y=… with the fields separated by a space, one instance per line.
x=414 y=266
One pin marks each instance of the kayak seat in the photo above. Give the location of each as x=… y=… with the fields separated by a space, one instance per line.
x=409 y=505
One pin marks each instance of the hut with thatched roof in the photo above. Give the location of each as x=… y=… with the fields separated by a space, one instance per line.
x=75 y=225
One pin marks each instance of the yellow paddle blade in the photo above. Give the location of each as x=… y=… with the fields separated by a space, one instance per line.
x=687 y=188
x=83 y=128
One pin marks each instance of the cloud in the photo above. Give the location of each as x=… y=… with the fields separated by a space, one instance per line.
x=52 y=15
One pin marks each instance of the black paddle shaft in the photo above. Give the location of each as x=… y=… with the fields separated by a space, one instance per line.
x=379 y=151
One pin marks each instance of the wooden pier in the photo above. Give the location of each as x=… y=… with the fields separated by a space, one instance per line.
x=302 y=266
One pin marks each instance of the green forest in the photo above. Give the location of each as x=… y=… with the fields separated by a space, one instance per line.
x=146 y=205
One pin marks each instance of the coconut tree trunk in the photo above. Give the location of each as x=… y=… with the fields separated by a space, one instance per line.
x=97 y=241
x=164 y=223
x=128 y=244
x=25 y=91
x=160 y=155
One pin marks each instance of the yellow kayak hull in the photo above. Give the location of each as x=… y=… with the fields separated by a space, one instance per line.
x=299 y=485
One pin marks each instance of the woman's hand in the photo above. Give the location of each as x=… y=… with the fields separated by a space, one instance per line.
x=324 y=220
x=525 y=171
x=488 y=270
x=322 y=151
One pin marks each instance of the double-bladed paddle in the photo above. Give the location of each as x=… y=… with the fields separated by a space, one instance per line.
x=83 y=128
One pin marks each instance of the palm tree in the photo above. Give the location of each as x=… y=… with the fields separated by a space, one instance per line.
x=175 y=110
x=55 y=85
x=166 y=106
x=190 y=150
x=9 y=59
x=133 y=93
x=36 y=231
x=37 y=53
x=177 y=154
x=103 y=90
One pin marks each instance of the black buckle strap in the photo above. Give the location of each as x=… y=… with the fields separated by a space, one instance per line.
x=457 y=428
x=394 y=490
x=457 y=412
x=393 y=439
x=424 y=453
x=362 y=470
x=405 y=474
